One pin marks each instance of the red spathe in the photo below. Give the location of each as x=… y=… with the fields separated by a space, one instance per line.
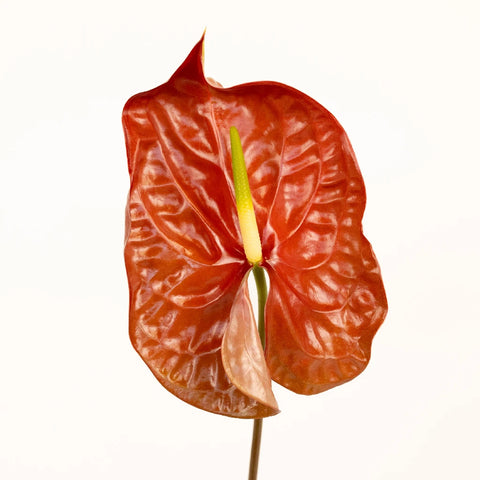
x=190 y=313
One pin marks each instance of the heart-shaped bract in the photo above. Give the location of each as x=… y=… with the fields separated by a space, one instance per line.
x=190 y=315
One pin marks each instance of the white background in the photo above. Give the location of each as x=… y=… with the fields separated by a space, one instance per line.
x=76 y=401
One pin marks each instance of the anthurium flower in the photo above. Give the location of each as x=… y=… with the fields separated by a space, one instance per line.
x=191 y=319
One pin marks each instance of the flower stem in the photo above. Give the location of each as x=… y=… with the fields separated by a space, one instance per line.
x=262 y=290
x=255 y=451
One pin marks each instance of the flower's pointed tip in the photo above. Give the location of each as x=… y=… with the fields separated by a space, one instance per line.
x=192 y=67
x=202 y=39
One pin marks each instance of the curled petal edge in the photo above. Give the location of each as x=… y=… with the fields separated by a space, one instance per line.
x=242 y=353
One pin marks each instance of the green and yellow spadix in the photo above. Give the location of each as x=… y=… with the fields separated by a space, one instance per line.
x=243 y=198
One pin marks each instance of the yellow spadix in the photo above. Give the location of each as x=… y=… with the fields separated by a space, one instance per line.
x=243 y=198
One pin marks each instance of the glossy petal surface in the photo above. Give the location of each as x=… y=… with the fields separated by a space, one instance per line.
x=327 y=298
x=182 y=280
x=189 y=305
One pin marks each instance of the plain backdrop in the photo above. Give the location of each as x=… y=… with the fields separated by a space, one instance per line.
x=76 y=401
